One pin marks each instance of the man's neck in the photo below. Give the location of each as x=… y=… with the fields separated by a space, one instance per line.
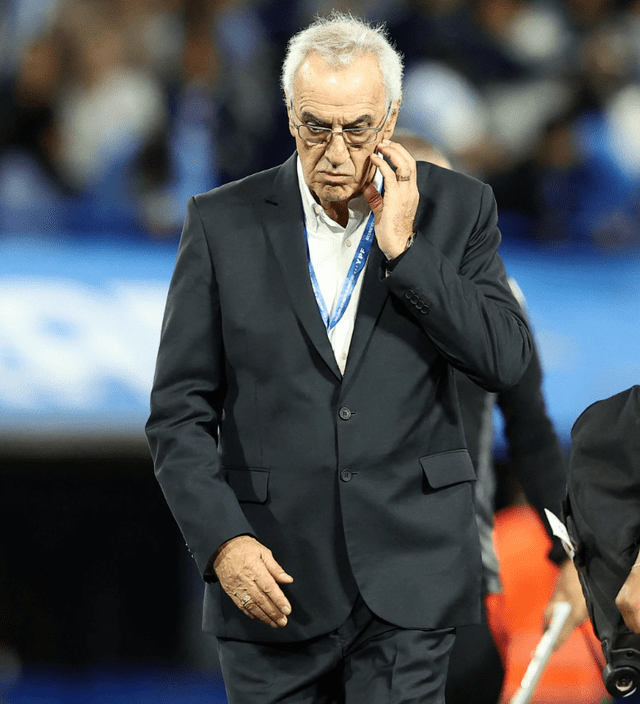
x=337 y=210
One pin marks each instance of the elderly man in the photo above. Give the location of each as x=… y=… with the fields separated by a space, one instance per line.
x=305 y=425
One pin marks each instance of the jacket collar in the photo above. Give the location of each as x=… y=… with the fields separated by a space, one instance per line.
x=283 y=224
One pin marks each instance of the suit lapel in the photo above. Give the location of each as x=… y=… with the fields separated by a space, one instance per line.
x=372 y=297
x=282 y=219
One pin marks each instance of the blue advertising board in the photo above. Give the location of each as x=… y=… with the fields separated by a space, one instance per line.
x=79 y=328
x=80 y=321
x=584 y=308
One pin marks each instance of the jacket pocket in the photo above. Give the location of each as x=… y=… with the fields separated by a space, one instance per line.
x=249 y=484
x=447 y=468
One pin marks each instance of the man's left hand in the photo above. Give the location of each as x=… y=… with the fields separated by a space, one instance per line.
x=567 y=588
x=394 y=212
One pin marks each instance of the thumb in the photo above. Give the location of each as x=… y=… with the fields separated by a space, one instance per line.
x=374 y=199
x=276 y=571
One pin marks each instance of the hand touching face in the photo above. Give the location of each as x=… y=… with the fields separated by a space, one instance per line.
x=394 y=212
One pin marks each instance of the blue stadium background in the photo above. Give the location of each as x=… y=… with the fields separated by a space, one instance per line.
x=114 y=112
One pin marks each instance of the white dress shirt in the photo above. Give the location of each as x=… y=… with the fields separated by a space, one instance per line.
x=332 y=248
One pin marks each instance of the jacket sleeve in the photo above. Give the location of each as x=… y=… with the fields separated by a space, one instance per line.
x=467 y=308
x=535 y=455
x=187 y=400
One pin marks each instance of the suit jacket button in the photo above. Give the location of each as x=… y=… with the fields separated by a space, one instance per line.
x=408 y=294
x=344 y=413
x=345 y=475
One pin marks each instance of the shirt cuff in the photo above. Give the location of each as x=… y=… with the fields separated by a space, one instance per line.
x=388 y=265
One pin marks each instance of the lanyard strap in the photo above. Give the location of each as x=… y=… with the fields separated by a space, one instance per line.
x=357 y=265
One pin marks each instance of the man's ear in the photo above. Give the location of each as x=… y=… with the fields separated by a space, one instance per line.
x=391 y=122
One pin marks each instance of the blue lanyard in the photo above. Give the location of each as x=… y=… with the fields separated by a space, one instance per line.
x=357 y=265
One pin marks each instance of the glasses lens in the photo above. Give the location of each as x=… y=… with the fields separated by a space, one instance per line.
x=361 y=135
x=320 y=135
x=314 y=135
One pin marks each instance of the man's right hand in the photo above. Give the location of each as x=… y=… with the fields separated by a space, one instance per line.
x=249 y=574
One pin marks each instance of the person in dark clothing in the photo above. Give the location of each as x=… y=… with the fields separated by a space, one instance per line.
x=602 y=518
x=537 y=461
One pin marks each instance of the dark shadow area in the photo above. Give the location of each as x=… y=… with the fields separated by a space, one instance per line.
x=89 y=563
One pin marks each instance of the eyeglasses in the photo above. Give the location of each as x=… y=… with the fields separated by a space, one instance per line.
x=353 y=136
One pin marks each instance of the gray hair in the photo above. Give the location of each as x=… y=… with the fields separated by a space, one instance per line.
x=339 y=38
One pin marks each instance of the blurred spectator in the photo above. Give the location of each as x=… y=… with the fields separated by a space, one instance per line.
x=580 y=185
x=21 y=23
x=540 y=100
x=632 y=18
x=483 y=77
x=537 y=460
x=32 y=184
x=251 y=37
x=181 y=159
x=113 y=111
x=109 y=108
x=110 y=121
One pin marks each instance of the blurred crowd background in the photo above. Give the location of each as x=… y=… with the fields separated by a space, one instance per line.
x=113 y=113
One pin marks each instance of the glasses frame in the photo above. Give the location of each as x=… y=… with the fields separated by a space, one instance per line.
x=330 y=132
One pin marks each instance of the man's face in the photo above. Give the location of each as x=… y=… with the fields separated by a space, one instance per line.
x=338 y=97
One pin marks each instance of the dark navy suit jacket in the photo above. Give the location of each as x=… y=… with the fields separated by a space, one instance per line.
x=358 y=483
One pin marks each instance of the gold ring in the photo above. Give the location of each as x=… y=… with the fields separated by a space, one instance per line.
x=403 y=178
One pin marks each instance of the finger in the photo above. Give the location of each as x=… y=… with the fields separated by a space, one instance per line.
x=398 y=149
x=264 y=599
x=403 y=162
x=250 y=606
x=396 y=153
x=268 y=610
x=253 y=608
x=403 y=174
x=270 y=588
x=242 y=605
x=276 y=571
x=258 y=605
x=387 y=172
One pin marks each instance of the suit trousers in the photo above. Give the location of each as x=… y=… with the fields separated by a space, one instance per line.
x=364 y=661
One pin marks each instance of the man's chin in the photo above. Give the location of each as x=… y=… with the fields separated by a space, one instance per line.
x=332 y=192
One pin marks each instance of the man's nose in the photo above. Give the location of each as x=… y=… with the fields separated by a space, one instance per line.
x=336 y=150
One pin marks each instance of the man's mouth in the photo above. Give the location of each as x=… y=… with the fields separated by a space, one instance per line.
x=335 y=178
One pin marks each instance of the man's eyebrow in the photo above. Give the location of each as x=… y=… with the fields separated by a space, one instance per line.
x=310 y=118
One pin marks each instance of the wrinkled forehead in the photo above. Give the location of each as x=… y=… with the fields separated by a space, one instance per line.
x=330 y=87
